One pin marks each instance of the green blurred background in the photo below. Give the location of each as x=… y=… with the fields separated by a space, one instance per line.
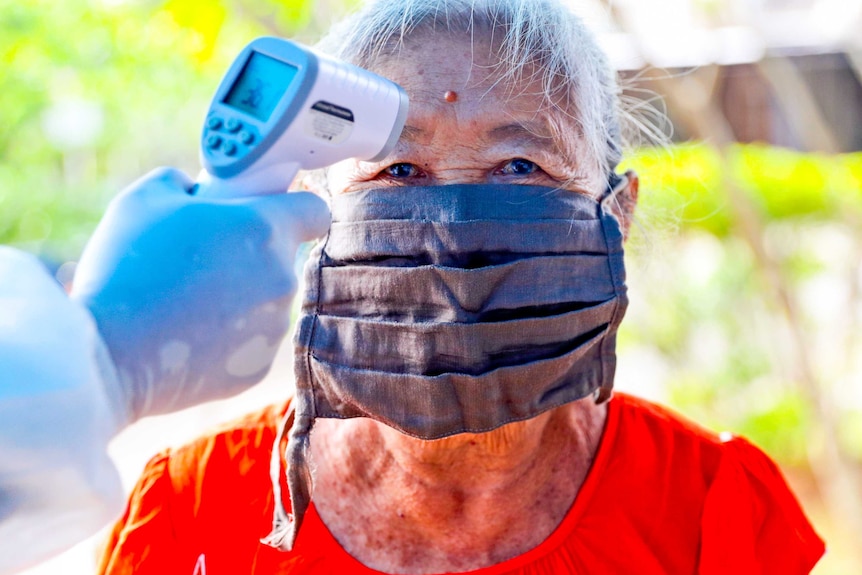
x=746 y=264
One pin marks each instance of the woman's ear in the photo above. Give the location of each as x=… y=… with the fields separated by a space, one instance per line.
x=626 y=200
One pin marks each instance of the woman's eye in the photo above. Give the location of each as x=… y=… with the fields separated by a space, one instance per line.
x=401 y=170
x=519 y=167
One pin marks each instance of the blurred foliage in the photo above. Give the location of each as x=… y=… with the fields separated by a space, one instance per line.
x=94 y=93
x=686 y=183
x=706 y=312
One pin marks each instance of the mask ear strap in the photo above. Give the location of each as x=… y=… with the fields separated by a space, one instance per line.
x=616 y=184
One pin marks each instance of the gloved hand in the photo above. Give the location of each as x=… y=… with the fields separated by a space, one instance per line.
x=57 y=483
x=192 y=296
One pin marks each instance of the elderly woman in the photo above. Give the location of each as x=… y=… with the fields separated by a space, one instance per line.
x=455 y=354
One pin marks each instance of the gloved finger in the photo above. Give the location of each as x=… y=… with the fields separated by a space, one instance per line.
x=165 y=180
x=306 y=215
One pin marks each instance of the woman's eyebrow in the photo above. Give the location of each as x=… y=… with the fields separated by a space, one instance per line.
x=533 y=134
x=412 y=134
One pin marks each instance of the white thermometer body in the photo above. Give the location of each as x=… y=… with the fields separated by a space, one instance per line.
x=283 y=107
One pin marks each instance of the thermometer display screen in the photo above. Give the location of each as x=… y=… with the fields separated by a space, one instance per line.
x=260 y=86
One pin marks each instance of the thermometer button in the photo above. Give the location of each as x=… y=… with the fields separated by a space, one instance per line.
x=233 y=125
x=229 y=148
x=214 y=123
x=213 y=141
x=246 y=137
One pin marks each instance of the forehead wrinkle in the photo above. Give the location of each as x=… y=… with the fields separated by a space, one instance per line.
x=531 y=135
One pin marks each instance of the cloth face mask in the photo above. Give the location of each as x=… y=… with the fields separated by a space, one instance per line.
x=450 y=309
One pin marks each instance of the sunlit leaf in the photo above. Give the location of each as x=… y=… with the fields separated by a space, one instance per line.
x=201 y=22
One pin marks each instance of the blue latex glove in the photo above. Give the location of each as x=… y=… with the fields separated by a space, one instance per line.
x=57 y=483
x=192 y=296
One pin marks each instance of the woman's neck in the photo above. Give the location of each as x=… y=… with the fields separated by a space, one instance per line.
x=400 y=504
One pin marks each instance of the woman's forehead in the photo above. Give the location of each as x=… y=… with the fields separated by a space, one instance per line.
x=436 y=69
x=455 y=82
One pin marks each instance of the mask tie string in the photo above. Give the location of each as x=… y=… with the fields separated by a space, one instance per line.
x=281 y=519
x=299 y=421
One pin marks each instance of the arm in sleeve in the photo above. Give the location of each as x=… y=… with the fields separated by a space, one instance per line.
x=57 y=484
x=752 y=522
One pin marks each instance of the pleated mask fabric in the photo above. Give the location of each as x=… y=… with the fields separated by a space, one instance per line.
x=448 y=309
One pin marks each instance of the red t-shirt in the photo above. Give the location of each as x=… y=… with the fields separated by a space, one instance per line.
x=664 y=496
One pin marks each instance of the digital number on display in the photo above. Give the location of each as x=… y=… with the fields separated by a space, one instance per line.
x=260 y=86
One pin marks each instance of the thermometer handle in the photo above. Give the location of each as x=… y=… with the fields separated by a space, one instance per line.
x=274 y=179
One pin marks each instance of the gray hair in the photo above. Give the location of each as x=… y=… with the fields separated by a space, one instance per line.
x=541 y=38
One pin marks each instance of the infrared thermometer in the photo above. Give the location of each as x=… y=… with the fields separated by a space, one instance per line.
x=283 y=107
